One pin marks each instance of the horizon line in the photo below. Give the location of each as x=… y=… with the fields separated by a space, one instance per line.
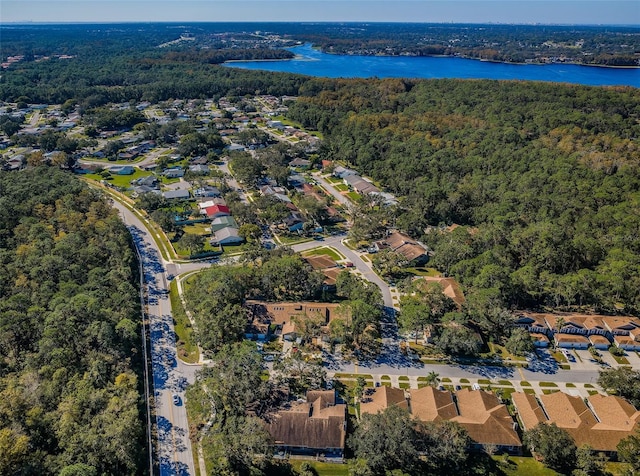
x=169 y=22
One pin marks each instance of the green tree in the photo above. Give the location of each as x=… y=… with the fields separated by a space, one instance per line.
x=249 y=231
x=458 y=339
x=623 y=381
x=588 y=463
x=164 y=218
x=299 y=374
x=192 y=243
x=519 y=342
x=386 y=441
x=553 y=445
x=629 y=451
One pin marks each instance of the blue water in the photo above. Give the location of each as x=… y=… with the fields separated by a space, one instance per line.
x=313 y=62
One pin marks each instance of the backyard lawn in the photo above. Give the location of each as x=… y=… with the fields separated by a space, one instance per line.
x=123 y=181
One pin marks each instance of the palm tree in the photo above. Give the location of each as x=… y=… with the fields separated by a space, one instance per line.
x=433 y=379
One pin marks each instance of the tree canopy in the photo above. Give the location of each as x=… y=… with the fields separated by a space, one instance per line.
x=70 y=398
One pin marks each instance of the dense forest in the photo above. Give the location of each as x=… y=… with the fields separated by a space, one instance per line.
x=70 y=400
x=544 y=178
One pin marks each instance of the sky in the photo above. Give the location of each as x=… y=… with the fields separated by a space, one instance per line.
x=590 y=12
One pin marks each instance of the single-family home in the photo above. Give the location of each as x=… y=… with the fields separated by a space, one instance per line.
x=207 y=191
x=221 y=222
x=360 y=185
x=122 y=170
x=450 y=288
x=315 y=427
x=412 y=250
x=342 y=172
x=174 y=172
x=294 y=221
x=226 y=236
x=148 y=181
x=176 y=194
x=199 y=169
x=600 y=421
x=298 y=162
x=217 y=211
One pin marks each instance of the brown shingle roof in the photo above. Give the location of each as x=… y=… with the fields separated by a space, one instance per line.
x=321 y=261
x=485 y=418
x=450 y=288
x=430 y=404
x=601 y=425
x=529 y=410
x=281 y=313
x=317 y=424
x=404 y=245
x=381 y=398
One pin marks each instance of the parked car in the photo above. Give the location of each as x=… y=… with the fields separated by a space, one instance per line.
x=176 y=399
x=349 y=264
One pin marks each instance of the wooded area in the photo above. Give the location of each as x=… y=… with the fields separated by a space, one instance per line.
x=70 y=400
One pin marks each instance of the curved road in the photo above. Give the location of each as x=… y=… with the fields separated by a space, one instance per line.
x=173 y=447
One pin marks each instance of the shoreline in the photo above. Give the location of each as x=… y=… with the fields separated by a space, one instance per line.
x=298 y=57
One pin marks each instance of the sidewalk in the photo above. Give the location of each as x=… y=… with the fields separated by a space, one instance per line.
x=452 y=383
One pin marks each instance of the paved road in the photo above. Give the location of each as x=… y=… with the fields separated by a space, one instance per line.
x=173 y=450
x=329 y=188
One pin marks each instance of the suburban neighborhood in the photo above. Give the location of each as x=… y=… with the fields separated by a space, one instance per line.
x=216 y=182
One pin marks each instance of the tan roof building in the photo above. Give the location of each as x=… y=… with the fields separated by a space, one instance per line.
x=284 y=314
x=481 y=413
x=486 y=419
x=326 y=265
x=601 y=423
x=450 y=288
x=313 y=427
x=405 y=245
x=430 y=404
x=380 y=398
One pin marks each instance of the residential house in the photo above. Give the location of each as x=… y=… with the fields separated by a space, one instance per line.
x=207 y=191
x=412 y=251
x=226 y=236
x=199 y=169
x=327 y=266
x=360 y=185
x=600 y=422
x=624 y=331
x=148 y=181
x=174 y=172
x=284 y=314
x=216 y=211
x=430 y=404
x=294 y=222
x=176 y=195
x=450 y=288
x=342 y=172
x=122 y=170
x=537 y=327
x=221 y=222
x=481 y=413
x=315 y=427
x=210 y=203
x=298 y=162
x=576 y=330
x=376 y=400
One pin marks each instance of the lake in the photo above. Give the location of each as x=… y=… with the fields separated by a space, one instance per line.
x=313 y=62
